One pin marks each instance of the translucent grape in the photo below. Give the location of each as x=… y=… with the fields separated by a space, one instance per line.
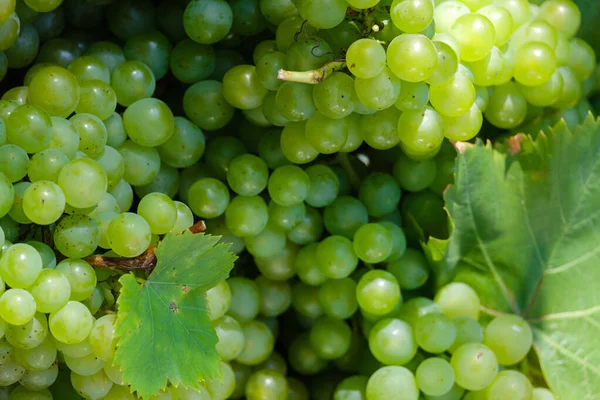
x=43 y=202
x=330 y=337
x=141 y=163
x=159 y=211
x=507 y=107
x=247 y=175
x=509 y=337
x=17 y=306
x=475 y=366
x=246 y=216
x=83 y=182
x=435 y=333
x=55 y=90
x=295 y=101
x=94 y=386
x=378 y=292
x=502 y=21
x=345 y=216
x=392 y=341
x=421 y=133
x=204 y=104
x=295 y=145
x=218 y=299
x=322 y=15
x=380 y=91
x=365 y=58
x=268 y=243
x=379 y=130
x=29 y=127
x=392 y=379
x=411 y=16
x=259 y=343
x=207 y=21
x=129 y=234
x=132 y=81
x=435 y=376
x=337 y=298
x=535 y=64
x=242 y=89
x=415 y=47
x=564 y=15
x=512 y=384
x=335 y=97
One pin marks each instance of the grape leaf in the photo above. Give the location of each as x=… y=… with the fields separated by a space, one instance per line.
x=163 y=328
x=526 y=236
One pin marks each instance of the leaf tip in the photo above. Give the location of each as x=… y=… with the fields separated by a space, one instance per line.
x=461 y=147
x=514 y=143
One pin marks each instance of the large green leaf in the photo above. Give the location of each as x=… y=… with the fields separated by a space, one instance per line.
x=527 y=237
x=164 y=333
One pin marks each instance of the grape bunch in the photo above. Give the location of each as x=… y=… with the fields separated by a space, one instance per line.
x=309 y=135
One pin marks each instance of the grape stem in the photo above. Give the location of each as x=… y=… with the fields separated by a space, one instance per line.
x=144 y=262
x=313 y=76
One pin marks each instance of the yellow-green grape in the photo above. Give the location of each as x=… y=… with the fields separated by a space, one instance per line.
x=519 y=9
x=534 y=64
x=411 y=16
x=365 y=58
x=463 y=127
x=417 y=48
x=454 y=97
x=564 y=15
x=507 y=107
x=502 y=21
x=476 y=36
x=55 y=90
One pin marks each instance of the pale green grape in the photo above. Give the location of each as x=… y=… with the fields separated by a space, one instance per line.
x=535 y=31
x=366 y=58
x=545 y=94
x=564 y=15
x=16 y=212
x=295 y=101
x=129 y=234
x=185 y=146
x=247 y=175
x=207 y=21
x=184 y=219
x=218 y=300
x=392 y=380
x=519 y=9
x=417 y=48
x=457 y=299
x=475 y=34
x=414 y=175
x=378 y=292
x=258 y=345
x=29 y=127
x=75 y=350
x=454 y=97
x=502 y=21
x=222 y=388
x=20 y=265
x=487 y=70
x=87 y=68
x=379 y=130
x=509 y=337
x=463 y=127
x=446 y=13
x=72 y=323
x=95 y=386
x=65 y=137
x=335 y=257
x=268 y=243
x=141 y=163
x=7 y=194
x=337 y=298
x=323 y=15
x=132 y=81
x=76 y=236
x=245 y=299
x=149 y=122
x=335 y=96
x=17 y=306
x=281 y=266
x=266 y=384
x=582 y=58
x=411 y=16
x=81 y=278
x=413 y=96
x=475 y=366
x=535 y=64
x=51 y=290
x=97 y=98
x=92 y=133
x=507 y=107
x=306 y=55
x=288 y=185
x=39 y=358
x=286 y=218
x=353 y=387
x=468 y=330
x=510 y=384
x=231 y=337
x=10 y=373
x=435 y=376
x=159 y=211
x=392 y=342
x=113 y=164
x=324 y=185
x=204 y=104
x=246 y=216
x=271 y=112
x=295 y=145
x=102 y=337
x=542 y=394
x=242 y=89
x=325 y=134
x=38 y=380
x=85 y=366
x=14 y=162
x=55 y=90
x=46 y=165
x=43 y=202
x=30 y=335
x=435 y=333
x=83 y=182
x=421 y=133
x=307 y=267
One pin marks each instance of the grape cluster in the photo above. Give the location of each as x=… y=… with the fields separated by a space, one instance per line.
x=307 y=134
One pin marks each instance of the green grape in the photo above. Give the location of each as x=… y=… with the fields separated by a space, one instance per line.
x=372 y=243
x=411 y=16
x=572 y=90
x=95 y=386
x=582 y=59
x=507 y=107
x=410 y=270
x=455 y=393
x=204 y=104
x=475 y=34
x=354 y=139
x=129 y=234
x=159 y=211
x=192 y=62
x=55 y=90
x=268 y=243
x=184 y=219
x=295 y=101
x=16 y=212
x=109 y=53
x=259 y=343
x=123 y=193
x=564 y=15
x=76 y=236
x=535 y=64
x=81 y=277
x=271 y=112
x=276 y=12
x=59 y=51
x=392 y=342
x=435 y=376
x=353 y=387
x=275 y=362
x=246 y=216
x=285 y=34
x=468 y=330
x=392 y=379
x=46 y=252
x=20 y=265
x=454 y=97
x=463 y=127
x=542 y=394
x=338 y=298
x=326 y=135
x=28 y=336
x=446 y=14
x=102 y=337
x=413 y=96
x=46 y=165
x=378 y=292
x=263 y=48
x=279 y=267
x=231 y=338
x=39 y=358
x=269 y=149
x=345 y=216
x=24 y=50
x=475 y=366
x=218 y=300
x=487 y=70
x=92 y=133
x=288 y=185
x=132 y=81
x=398 y=240
x=88 y=68
x=245 y=299
x=330 y=337
x=295 y=145
x=207 y=21
x=379 y=130
x=185 y=146
x=379 y=193
x=219 y=153
x=546 y=94
x=65 y=137
x=183 y=393
x=306 y=54
x=7 y=7
x=511 y=384
x=130 y=17
x=149 y=122
x=103 y=220
x=247 y=175
x=502 y=21
x=10 y=372
x=415 y=47
x=113 y=164
x=170 y=21
x=335 y=257
x=10 y=27
x=141 y=163
x=305 y=300
x=83 y=182
x=414 y=175
x=309 y=230
x=535 y=31
x=242 y=88
x=435 y=333
x=221 y=388
x=324 y=185
x=72 y=323
x=421 y=133
x=7 y=107
x=366 y=58
x=84 y=366
x=303 y=358
x=97 y=98
x=307 y=267
x=7 y=194
x=29 y=127
x=458 y=300
x=39 y=380
x=335 y=96
x=509 y=337
x=322 y=15
x=152 y=48
x=286 y=218
x=379 y=92
x=17 y=95
x=43 y=202
x=275 y=297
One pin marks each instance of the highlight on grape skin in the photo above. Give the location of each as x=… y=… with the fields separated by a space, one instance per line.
x=316 y=139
